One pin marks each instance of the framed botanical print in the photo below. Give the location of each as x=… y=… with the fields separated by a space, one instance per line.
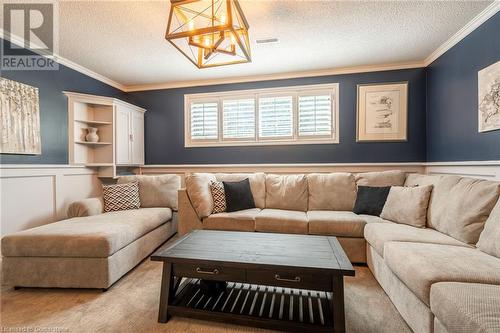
x=382 y=112
x=489 y=98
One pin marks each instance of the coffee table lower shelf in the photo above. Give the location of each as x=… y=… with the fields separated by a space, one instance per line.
x=287 y=309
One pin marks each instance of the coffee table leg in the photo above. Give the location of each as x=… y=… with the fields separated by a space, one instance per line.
x=338 y=304
x=165 y=294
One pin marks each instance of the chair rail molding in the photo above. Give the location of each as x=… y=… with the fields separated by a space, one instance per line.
x=32 y=195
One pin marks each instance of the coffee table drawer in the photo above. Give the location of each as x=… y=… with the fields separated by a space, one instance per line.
x=290 y=280
x=209 y=272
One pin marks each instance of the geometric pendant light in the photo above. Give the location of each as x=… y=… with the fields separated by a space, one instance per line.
x=209 y=32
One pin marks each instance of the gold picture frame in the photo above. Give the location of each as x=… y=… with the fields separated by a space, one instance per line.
x=382 y=112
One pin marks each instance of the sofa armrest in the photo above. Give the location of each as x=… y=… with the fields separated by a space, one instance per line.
x=86 y=207
x=188 y=218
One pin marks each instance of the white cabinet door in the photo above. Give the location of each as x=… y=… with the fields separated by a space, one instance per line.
x=122 y=141
x=137 y=130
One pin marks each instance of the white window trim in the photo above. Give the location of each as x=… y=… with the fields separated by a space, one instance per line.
x=295 y=91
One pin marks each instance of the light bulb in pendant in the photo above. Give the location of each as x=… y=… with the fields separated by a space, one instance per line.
x=223 y=19
x=190 y=25
x=206 y=41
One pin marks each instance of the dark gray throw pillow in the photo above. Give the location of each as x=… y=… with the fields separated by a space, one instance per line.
x=371 y=200
x=238 y=195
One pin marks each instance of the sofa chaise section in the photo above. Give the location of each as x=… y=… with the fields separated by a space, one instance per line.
x=93 y=249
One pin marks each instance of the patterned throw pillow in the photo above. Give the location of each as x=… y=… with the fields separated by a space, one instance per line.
x=218 y=196
x=121 y=196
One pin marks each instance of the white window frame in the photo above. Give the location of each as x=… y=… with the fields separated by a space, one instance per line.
x=295 y=139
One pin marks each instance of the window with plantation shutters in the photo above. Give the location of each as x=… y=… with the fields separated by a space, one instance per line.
x=315 y=115
x=238 y=118
x=204 y=120
x=274 y=116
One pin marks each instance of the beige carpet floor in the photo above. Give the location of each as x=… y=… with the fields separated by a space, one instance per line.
x=131 y=306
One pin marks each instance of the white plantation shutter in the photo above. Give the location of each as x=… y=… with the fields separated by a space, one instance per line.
x=285 y=115
x=276 y=117
x=238 y=118
x=204 y=121
x=315 y=115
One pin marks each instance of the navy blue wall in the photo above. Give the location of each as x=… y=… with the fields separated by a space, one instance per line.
x=452 y=121
x=442 y=114
x=53 y=109
x=165 y=126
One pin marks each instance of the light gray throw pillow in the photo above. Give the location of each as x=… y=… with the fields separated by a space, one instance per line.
x=407 y=205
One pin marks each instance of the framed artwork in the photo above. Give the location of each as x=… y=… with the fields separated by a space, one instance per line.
x=19 y=118
x=489 y=98
x=382 y=112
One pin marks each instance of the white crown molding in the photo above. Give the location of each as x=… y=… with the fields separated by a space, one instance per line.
x=482 y=17
x=473 y=24
x=65 y=62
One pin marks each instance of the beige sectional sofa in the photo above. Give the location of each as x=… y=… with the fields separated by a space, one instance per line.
x=93 y=249
x=442 y=278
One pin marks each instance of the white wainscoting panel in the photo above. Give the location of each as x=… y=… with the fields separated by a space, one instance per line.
x=489 y=170
x=32 y=195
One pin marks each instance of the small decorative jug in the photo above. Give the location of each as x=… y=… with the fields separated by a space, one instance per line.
x=92 y=135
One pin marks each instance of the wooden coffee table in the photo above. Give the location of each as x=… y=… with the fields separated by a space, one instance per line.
x=277 y=281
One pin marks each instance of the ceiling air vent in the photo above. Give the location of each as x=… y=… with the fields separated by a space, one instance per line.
x=267 y=41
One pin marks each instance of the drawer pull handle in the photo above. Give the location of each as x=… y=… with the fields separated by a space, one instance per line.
x=279 y=278
x=214 y=272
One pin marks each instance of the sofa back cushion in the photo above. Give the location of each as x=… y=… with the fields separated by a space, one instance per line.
x=331 y=191
x=286 y=192
x=156 y=191
x=257 y=184
x=489 y=240
x=459 y=206
x=381 y=178
x=198 y=190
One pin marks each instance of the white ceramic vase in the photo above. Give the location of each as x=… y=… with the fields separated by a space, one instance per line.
x=92 y=135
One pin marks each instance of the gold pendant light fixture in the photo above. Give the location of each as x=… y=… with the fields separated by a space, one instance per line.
x=209 y=32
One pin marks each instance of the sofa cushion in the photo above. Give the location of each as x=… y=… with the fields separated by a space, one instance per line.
x=91 y=236
x=466 y=307
x=407 y=205
x=331 y=191
x=418 y=179
x=335 y=223
x=378 y=234
x=282 y=221
x=371 y=200
x=287 y=192
x=243 y=220
x=218 y=197
x=489 y=240
x=198 y=190
x=238 y=195
x=257 y=184
x=459 y=206
x=381 y=178
x=419 y=265
x=121 y=196
x=156 y=191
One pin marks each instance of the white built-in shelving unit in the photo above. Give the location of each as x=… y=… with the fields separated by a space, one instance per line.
x=120 y=129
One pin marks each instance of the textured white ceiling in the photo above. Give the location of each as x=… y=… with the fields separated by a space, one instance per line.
x=124 y=41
